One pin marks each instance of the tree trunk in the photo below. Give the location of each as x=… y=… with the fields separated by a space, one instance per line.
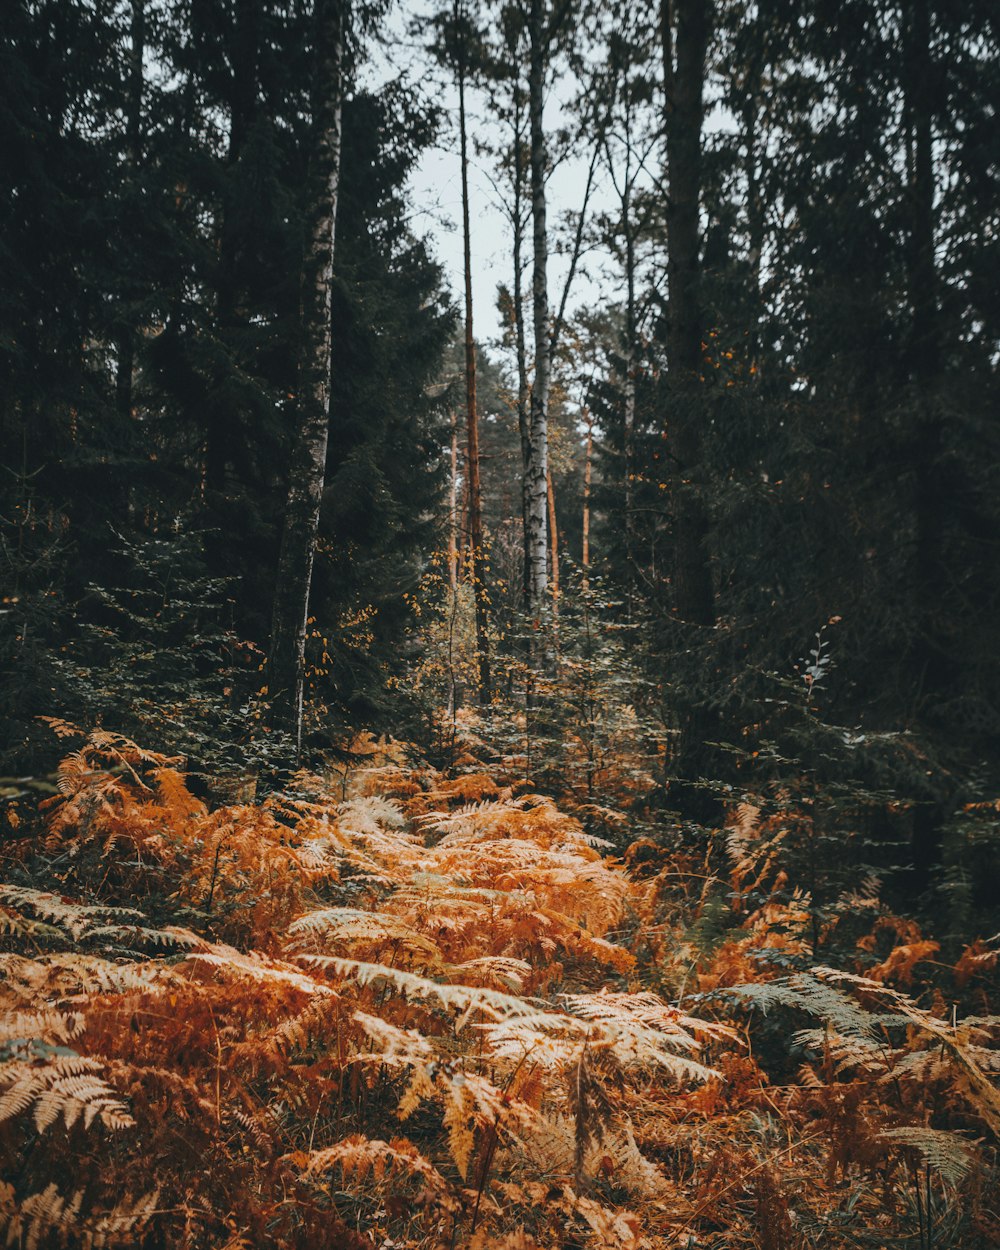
x=222 y=428
x=453 y=508
x=133 y=143
x=924 y=356
x=756 y=154
x=585 y=555
x=933 y=652
x=550 y=496
x=630 y=369
x=307 y=471
x=537 y=466
x=919 y=70
x=523 y=390
x=477 y=568
x=684 y=28
x=684 y=77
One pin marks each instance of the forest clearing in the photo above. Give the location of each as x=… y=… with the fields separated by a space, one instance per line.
x=499 y=648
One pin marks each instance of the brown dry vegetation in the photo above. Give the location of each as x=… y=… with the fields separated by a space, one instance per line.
x=409 y=1010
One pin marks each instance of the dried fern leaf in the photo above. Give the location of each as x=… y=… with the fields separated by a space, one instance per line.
x=361 y=1157
x=69 y=1086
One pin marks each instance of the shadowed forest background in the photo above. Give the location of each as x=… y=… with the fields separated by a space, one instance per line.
x=519 y=791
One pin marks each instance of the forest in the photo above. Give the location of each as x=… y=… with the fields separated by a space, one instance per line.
x=500 y=668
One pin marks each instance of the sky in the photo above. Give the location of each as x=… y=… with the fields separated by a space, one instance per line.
x=436 y=191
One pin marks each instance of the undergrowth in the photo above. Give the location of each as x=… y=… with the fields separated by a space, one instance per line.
x=409 y=1010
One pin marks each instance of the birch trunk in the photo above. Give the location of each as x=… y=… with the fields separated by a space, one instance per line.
x=924 y=352
x=536 y=468
x=550 y=496
x=754 y=122
x=307 y=471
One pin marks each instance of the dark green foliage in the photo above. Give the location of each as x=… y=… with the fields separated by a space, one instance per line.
x=385 y=474
x=158 y=657
x=849 y=433
x=151 y=241
x=149 y=339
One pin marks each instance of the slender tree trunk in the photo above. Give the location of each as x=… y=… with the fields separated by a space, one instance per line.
x=684 y=75
x=588 y=454
x=919 y=70
x=133 y=141
x=464 y=545
x=924 y=347
x=523 y=389
x=137 y=53
x=286 y=669
x=685 y=27
x=932 y=654
x=453 y=573
x=550 y=497
x=630 y=368
x=453 y=508
x=537 y=466
x=477 y=569
x=755 y=157
x=243 y=108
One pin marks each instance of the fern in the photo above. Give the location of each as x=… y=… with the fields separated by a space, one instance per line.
x=740 y=832
x=351 y=928
x=452 y=958
x=73 y=973
x=255 y=967
x=493 y=971
x=396 y=1047
x=862 y=1029
x=462 y=1001
x=553 y=1040
x=813 y=993
x=359 y=1158
x=31 y=1221
x=122 y=1224
x=25 y=1031
x=67 y=1086
x=95 y=923
x=947 y=1154
x=40 y=1214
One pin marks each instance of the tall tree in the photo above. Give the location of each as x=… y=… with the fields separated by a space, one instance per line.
x=536 y=467
x=477 y=560
x=534 y=31
x=633 y=132
x=685 y=29
x=307 y=470
x=507 y=68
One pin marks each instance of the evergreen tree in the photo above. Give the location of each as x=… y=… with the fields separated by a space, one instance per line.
x=153 y=225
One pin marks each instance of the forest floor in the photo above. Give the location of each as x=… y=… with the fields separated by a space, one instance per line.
x=401 y=1009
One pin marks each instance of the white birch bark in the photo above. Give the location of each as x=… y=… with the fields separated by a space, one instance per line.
x=307 y=475
x=538 y=434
